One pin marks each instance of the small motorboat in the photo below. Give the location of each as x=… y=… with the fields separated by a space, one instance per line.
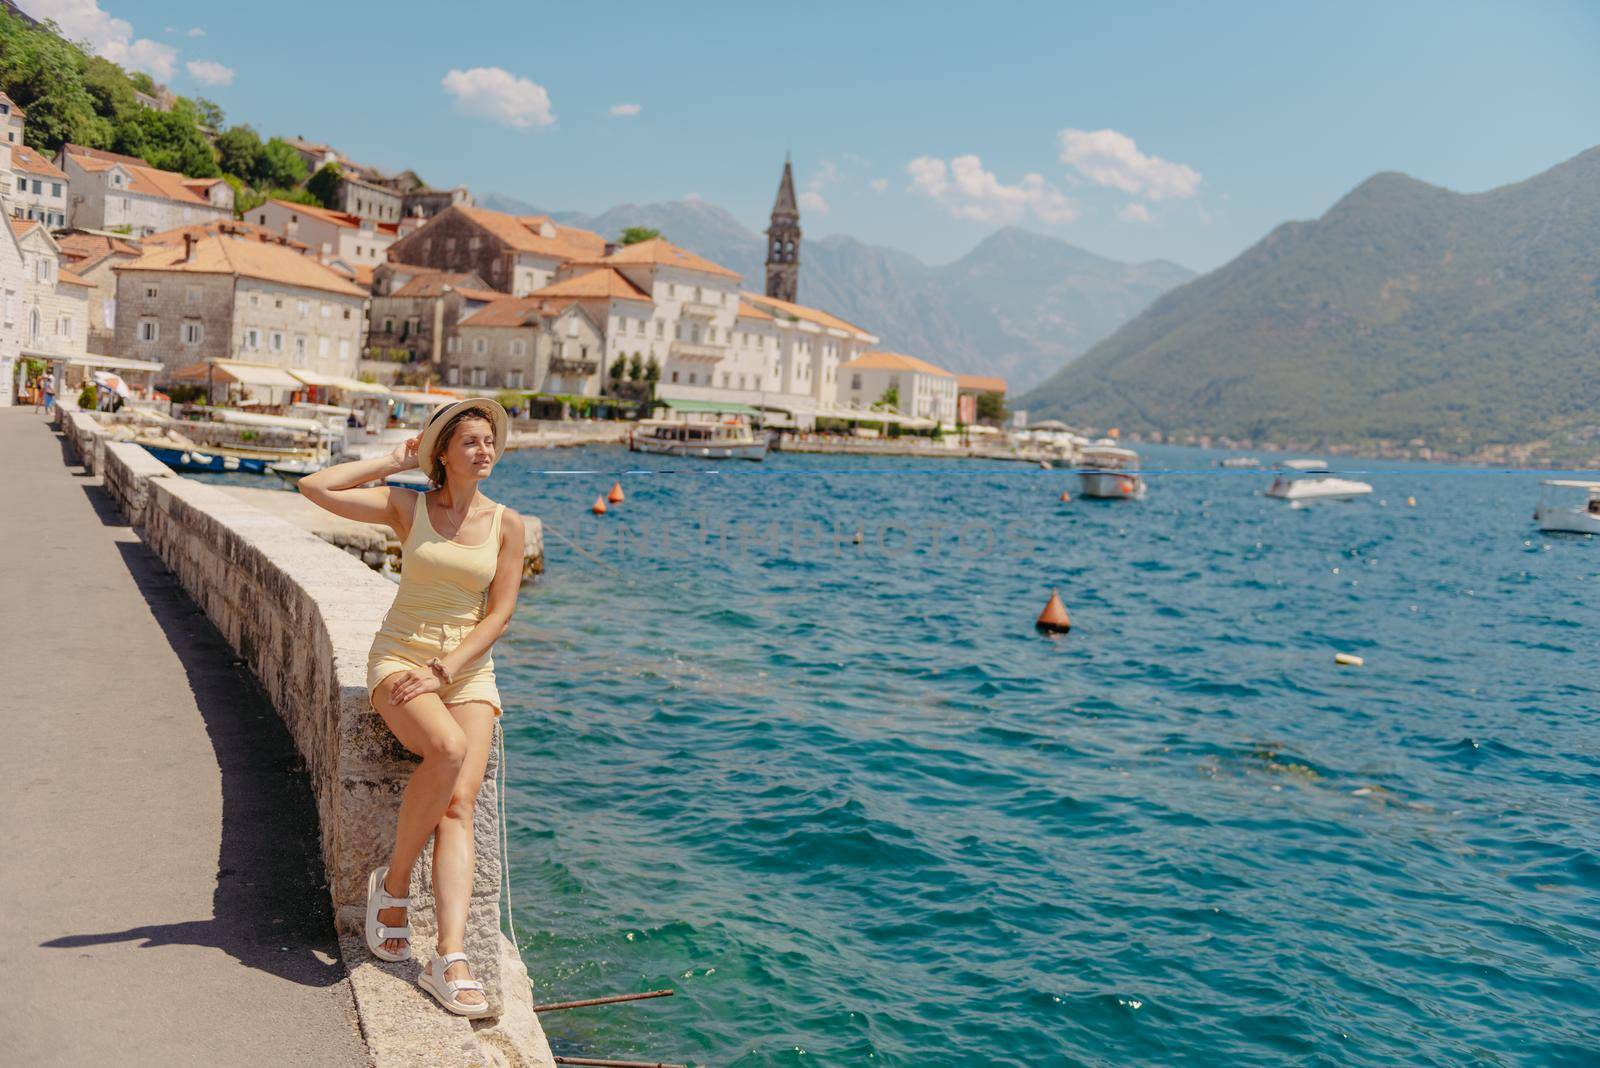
x=1109 y=471
x=412 y=480
x=1302 y=482
x=1246 y=462
x=209 y=459
x=292 y=471
x=1561 y=510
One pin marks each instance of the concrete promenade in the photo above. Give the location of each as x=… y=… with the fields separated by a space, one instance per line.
x=162 y=896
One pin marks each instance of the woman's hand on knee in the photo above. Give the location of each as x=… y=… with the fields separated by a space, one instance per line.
x=414 y=683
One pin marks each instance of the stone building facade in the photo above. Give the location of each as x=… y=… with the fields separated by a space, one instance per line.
x=54 y=309
x=368 y=200
x=94 y=257
x=220 y=297
x=122 y=194
x=548 y=346
x=515 y=254
x=416 y=311
x=331 y=235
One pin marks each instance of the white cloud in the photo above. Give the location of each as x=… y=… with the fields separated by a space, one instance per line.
x=82 y=20
x=1109 y=158
x=967 y=191
x=498 y=94
x=208 y=72
x=1134 y=212
x=195 y=31
x=812 y=201
x=879 y=184
x=626 y=110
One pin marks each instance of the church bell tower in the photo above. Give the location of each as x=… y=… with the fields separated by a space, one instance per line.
x=783 y=241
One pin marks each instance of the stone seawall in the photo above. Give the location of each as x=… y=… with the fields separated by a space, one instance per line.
x=301 y=613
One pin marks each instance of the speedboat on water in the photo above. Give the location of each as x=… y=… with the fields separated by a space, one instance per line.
x=1564 y=511
x=1309 y=481
x=1109 y=471
x=207 y=458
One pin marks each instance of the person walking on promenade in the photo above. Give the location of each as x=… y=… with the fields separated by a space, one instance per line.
x=49 y=393
x=429 y=671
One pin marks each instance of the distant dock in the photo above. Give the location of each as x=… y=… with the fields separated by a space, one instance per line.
x=946 y=449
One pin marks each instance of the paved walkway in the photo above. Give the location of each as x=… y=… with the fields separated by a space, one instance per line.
x=162 y=900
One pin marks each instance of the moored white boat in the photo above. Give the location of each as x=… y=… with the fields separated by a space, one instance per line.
x=1109 y=471
x=1304 y=482
x=1562 y=511
x=727 y=440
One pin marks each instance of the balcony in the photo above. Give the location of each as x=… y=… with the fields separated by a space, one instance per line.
x=695 y=309
x=561 y=366
x=694 y=352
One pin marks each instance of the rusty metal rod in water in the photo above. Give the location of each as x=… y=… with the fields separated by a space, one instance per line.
x=599 y=1063
x=612 y=999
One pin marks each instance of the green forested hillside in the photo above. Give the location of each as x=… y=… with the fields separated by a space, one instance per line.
x=1406 y=312
x=69 y=94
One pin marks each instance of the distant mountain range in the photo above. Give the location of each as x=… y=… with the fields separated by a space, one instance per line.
x=1019 y=305
x=1408 y=315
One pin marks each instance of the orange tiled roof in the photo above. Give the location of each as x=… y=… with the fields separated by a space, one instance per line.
x=432 y=284
x=893 y=361
x=515 y=311
x=142 y=179
x=87 y=251
x=73 y=280
x=14 y=109
x=215 y=254
x=660 y=252
x=524 y=233
x=602 y=283
x=800 y=311
x=232 y=227
x=981 y=383
x=750 y=311
x=337 y=218
x=30 y=162
x=20 y=227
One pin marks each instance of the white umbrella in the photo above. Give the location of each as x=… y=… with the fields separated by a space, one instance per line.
x=113 y=382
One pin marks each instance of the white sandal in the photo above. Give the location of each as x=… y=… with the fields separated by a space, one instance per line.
x=378 y=898
x=444 y=990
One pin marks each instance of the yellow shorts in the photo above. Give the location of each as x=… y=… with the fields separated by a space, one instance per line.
x=407 y=646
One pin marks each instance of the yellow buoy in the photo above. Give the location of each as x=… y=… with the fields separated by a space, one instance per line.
x=1348 y=659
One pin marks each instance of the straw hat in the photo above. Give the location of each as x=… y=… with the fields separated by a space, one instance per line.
x=488 y=407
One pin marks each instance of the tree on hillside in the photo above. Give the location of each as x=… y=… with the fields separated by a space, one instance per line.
x=43 y=75
x=209 y=113
x=324 y=185
x=279 y=165
x=239 y=151
x=635 y=234
x=169 y=140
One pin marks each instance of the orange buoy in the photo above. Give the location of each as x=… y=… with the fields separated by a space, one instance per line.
x=1053 y=620
x=1065 y=496
x=599 y=506
x=615 y=496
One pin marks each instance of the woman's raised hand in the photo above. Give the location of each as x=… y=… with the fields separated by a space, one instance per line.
x=404 y=455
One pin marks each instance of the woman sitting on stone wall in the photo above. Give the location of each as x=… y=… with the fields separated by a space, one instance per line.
x=429 y=670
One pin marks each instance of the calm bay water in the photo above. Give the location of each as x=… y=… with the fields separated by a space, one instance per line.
x=855 y=809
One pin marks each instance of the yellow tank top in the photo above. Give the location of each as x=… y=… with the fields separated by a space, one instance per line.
x=443 y=581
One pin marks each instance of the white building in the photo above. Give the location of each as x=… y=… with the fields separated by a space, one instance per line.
x=11 y=120
x=923 y=390
x=39 y=188
x=812 y=345
x=12 y=289
x=550 y=346
x=54 y=302
x=122 y=194
x=331 y=235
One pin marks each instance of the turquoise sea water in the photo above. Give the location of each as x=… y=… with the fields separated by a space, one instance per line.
x=855 y=810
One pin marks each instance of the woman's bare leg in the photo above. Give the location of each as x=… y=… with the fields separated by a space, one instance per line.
x=452 y=840
x=426 y=728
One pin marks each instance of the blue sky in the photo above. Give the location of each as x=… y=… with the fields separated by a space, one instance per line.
x=1183 y=131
